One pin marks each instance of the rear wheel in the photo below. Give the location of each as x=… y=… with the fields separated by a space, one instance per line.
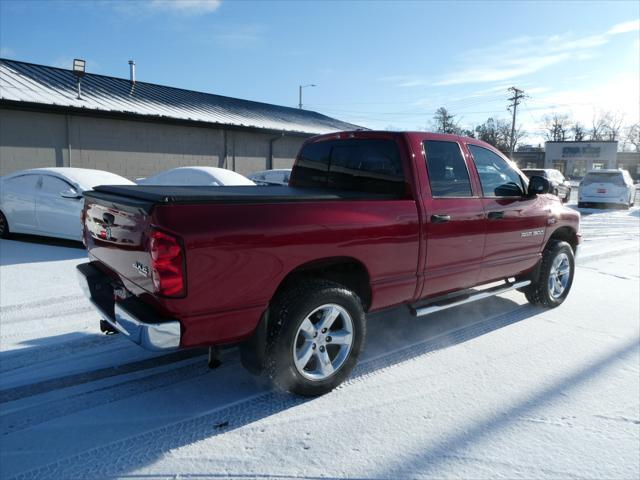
x=554 y=282
x=4 y=226
x=317 y=337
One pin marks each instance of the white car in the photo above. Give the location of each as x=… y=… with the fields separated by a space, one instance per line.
x=48 y=201
x=278 y=176
x=201 y=176
x=613 y=187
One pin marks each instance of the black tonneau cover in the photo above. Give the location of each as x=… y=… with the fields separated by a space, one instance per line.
x=241 y=194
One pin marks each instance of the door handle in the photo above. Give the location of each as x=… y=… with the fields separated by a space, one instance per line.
x=444 y=218
x=495 y=215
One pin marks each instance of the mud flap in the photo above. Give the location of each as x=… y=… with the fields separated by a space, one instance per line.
x=253 y=351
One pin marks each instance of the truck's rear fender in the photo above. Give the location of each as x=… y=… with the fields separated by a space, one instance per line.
x=346 y=271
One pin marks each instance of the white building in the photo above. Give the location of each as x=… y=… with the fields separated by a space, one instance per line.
x=575 y=159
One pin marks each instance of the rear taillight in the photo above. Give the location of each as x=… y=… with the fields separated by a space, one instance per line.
x=167 y=264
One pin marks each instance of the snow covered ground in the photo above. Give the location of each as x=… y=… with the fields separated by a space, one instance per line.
x=496 y=389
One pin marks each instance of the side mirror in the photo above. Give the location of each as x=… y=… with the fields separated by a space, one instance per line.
x=538 y=185
x=70 y=193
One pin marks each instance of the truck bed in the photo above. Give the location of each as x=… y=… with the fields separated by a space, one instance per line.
x=150 y=194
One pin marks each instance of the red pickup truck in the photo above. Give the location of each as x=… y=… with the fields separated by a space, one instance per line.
x=370 y=220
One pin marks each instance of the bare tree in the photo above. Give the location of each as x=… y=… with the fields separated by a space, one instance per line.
x=445 y=122
x=632 y=137
x=556 y=127
x=613 y=126
x=606 y=126
x=579 y=132
x=596 y=133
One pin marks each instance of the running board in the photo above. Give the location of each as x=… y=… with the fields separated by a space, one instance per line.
x=418 y=312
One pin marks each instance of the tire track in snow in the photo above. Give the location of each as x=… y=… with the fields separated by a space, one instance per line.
x=39 y=303
x=115 y=458
x=48 y=314
x=16 y=393
x=37 y=414
x=30 y=357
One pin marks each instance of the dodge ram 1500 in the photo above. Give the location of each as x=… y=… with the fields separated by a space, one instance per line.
x=370 y=220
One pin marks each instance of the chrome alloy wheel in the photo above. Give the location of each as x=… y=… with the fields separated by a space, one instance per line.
x=559 y=275
x=323 y=342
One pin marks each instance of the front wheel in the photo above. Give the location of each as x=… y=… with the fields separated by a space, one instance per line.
x=317 y=337
x=555 y=278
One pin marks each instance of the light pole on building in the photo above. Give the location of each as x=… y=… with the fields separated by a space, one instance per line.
x=300 y=93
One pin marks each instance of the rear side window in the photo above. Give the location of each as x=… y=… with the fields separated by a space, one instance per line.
x=54 y=185
x=366 y=166
x=448 y=175
x=312 y=165
x=497 y=177
x=354 y=164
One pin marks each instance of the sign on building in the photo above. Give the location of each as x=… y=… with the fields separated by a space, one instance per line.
x=575 y=159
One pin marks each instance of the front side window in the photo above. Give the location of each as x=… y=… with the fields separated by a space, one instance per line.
x=497 y=177
x=23 y=183
x=448 y=175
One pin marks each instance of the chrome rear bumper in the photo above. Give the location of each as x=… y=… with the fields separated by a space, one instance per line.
x=130 y=316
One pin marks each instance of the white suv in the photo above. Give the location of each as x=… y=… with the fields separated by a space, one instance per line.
x=607 y=187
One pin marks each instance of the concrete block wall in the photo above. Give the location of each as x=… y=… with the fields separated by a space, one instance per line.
x=132 y=148
x=31 y=140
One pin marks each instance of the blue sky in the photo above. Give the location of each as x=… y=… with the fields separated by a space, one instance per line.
x=376 y=63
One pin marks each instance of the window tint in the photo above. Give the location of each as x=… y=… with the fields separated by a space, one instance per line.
x=312 y=165
x=497 y=177
x=354 y=164
x=54 y=185
x=366 y=166
x=604 y=177
x=23 y=183
x=448 y=175
x=530 y=173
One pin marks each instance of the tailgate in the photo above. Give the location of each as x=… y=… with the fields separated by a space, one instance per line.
x=116 y=234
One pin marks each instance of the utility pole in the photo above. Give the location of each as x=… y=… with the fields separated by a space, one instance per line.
x=517 y=96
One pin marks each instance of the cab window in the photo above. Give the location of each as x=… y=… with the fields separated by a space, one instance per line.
x=448 y=175
x=497 y=177
x=364 y=165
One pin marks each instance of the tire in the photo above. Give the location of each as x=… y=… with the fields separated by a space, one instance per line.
x=551 y=287
x=299 y=332
x=4 y=226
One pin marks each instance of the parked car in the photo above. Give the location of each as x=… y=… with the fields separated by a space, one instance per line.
x=607 y=187
x=559 y=185
x=48 y=201
x=370 y=220
x=183 y=176
x=279 y=176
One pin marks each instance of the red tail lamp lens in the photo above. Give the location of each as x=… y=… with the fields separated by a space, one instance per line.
x=167 y=264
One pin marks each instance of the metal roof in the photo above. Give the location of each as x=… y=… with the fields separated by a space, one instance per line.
x=49 y=86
